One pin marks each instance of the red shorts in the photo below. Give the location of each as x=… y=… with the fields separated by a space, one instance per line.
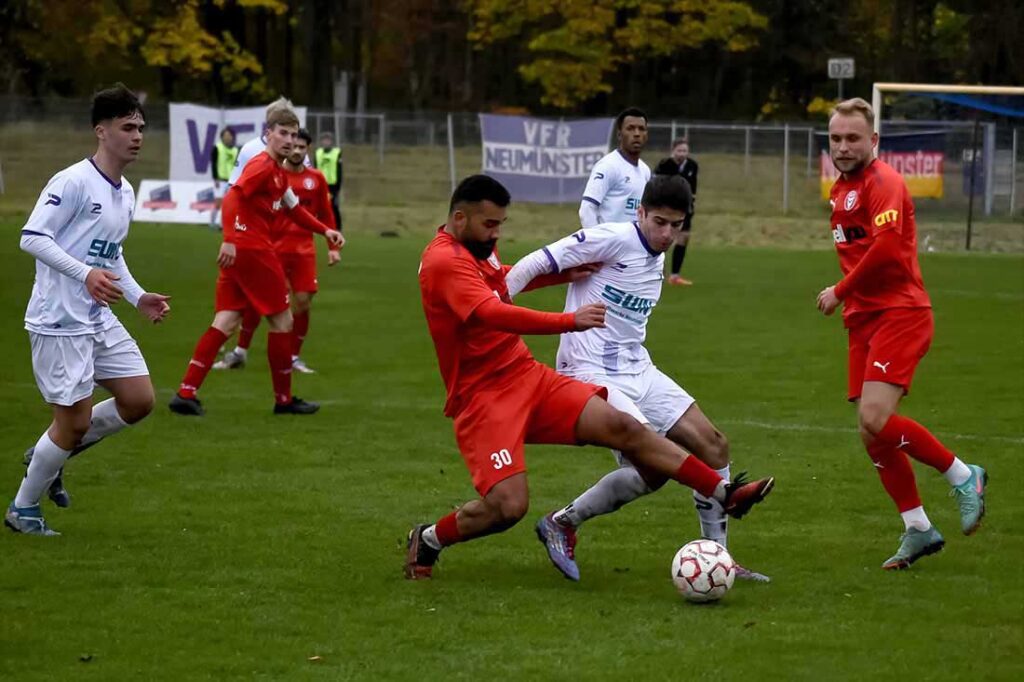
x=255 y=280
x=887 y=345
x=536 y=406
x=300 y=271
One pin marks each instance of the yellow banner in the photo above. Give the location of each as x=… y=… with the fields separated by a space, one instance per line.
x=922 y=171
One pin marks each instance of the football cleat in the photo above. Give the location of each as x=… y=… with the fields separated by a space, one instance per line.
x=27 y=520
x=186 y=406
x=743 y=573
x=560 y=542
x=971 y=496
x=740 y=496
x=419 y=557
x=231 y=360
x=57 y=492
x=299 y=366
x=296 y=406
x=914 y=544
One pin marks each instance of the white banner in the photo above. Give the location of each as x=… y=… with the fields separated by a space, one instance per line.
x=175 y=201
x=195 y=129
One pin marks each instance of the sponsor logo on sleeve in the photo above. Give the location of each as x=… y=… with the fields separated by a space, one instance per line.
x=887 y=217
x=52 y=200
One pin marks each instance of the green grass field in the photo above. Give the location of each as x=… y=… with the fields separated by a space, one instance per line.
x=244 y=546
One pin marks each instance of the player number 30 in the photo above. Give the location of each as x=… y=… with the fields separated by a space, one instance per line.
x=501 y=458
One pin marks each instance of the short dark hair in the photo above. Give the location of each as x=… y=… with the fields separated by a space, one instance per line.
x=477 y=188
x=303 y=134
x=115 y=102
x=631 y=111
x=668 y=191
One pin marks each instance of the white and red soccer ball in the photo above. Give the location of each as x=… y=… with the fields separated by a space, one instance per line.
x=703 y=571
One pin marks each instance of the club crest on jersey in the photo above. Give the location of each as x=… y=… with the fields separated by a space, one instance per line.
x=851 y=200
x=308 y=183
x=493 y=260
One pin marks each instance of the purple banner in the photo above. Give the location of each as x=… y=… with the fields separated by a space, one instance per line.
x=543 y=161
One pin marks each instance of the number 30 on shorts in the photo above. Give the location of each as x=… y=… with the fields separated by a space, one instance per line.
x=502 y=458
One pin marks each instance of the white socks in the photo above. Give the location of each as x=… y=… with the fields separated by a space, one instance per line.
x=105 y=421
x=46 y=462
x=916 y=518
x=957 y=473
x=611 y=492
x=713 y=521
x=429 y=537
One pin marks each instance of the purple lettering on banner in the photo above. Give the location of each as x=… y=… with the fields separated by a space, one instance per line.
x=542 y=161
x=201 y=155
x=241 y=128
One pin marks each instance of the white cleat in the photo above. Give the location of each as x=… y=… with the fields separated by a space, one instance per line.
x=231 y=360
x=299 y=366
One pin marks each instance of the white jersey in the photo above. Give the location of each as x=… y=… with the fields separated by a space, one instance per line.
x=87 y=214
x=245 y=155
x=628 y=283
x=615 y=187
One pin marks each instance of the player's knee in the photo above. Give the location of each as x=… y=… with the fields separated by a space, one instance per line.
x=138 y=407
x=627 y=431
x=511 y=511
x=718 y=452
x=871 y=418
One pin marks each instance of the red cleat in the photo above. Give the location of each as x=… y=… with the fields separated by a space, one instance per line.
x=740 y=496
x=420 y=557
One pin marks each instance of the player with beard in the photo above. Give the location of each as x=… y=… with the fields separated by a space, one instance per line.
x=888 y=317
x=500 y=398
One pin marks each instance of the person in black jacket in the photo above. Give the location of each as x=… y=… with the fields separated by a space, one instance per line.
x=680 y=163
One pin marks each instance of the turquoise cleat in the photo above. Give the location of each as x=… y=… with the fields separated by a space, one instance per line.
x=27 y=520
x=914 y=544
x=971 y=496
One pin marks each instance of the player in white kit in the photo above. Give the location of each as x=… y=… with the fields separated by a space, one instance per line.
x=616 y=182
x=629 y=282
x=76 y=234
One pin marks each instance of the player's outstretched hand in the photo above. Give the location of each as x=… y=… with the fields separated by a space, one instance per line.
x=333 y=257
x=335 y=238
x=590 y=316
x=226 y=256
x=154 y=307
x=827 y=301
x=582 y=271
x=100 y=285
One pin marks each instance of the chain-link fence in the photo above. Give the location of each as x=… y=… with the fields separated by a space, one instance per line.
x=397 y=159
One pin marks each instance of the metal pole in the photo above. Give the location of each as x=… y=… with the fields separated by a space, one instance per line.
x=974 y=167
x=746 y=150
x=810 y=149
x=1013 y=173
x=451 y=151
x=785 y=169
x=840 y=89
x=672 y=141
x=382 y=120
x=989 y=158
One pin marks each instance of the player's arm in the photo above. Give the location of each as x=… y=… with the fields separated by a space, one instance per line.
x=153 y=306
x=696 y=172
x=308 y=221
x=885 y=204
x=594 y=193
x=466 y=294
x=568 y=257
x=213 y=164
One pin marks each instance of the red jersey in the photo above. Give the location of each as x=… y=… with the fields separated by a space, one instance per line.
x=310 y=187
x=262 y=186
x=865 y=206
x=453 y=284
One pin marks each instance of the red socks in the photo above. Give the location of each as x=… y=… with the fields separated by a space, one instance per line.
x=300 y=326
x=917 y=441
x=447 y=530
x=699 y=476
x=279 y=355
x=250 y=321
x=202 y=359
x=897 y=475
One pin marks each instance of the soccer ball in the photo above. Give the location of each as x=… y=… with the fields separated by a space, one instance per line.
x=703 y=571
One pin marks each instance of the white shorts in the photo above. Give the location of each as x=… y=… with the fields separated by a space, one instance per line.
x=67 y=367
x=220 y=189
x=651 y=398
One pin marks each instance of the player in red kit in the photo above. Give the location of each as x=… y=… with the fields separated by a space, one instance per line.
x=888 y=315
x=297 y=252
x=501 y=398
x=251 y=274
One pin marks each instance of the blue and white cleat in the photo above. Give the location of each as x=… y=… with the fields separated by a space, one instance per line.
x=971 y=497
x=27 y=520
x=560 y=542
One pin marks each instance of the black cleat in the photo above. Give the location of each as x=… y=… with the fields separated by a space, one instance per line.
x=740 y=495
x=296 y=406
x=419 y=557
x=190 y=407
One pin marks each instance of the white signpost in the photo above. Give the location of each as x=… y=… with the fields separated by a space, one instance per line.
x=840 y=69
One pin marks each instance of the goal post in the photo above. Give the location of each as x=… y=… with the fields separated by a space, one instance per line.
x=878 y=88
